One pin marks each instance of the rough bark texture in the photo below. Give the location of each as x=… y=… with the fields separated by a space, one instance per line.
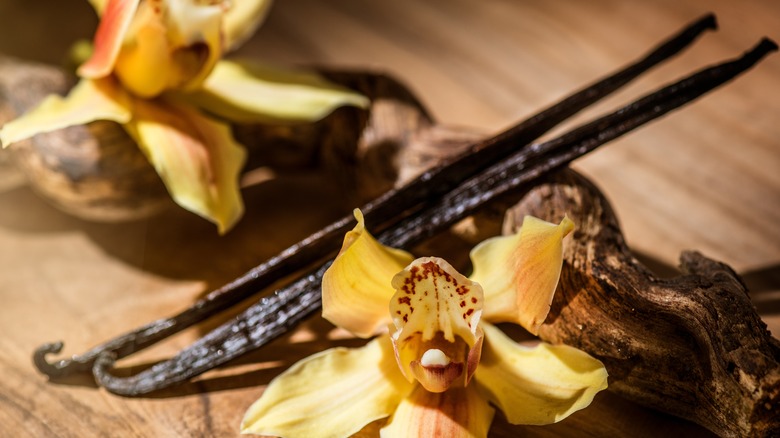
x=692 y=345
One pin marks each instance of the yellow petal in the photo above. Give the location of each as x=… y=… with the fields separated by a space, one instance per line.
x=537 y=385
x=114 y=24
x=242 y=19
x=332 y=394
x=253 y=93
x=459 y=412
x=89 y=100
x=196 y=157
x=519 y=273
x=356 y=288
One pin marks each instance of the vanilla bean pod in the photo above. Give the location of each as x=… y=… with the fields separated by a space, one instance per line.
x=391 y=205
x=275 y=315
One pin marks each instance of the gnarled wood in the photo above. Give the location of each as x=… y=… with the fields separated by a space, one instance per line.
x=692 y=345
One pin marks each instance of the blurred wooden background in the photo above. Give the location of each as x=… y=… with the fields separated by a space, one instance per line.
x=705 y=178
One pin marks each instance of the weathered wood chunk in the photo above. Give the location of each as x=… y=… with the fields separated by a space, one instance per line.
x=692 y=346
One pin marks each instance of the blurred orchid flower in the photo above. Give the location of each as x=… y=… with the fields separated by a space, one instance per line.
x=156 y=69
x=443 y=364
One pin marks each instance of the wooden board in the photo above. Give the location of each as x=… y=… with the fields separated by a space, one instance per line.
x=706 y=178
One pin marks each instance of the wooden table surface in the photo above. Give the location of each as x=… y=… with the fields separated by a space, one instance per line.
x=705 y=178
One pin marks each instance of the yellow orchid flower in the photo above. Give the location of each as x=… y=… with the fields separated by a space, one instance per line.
x=443 y=366
x=156 y=69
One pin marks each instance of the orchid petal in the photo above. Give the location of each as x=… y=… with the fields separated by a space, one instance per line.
x=242 y=19
x=250 y=94
x=459 y=412
x=537 y=385
x=519 y=273
x=89 y=100
x=114 y=24
x=196 y=157
x=333 y=393
x=356 y=288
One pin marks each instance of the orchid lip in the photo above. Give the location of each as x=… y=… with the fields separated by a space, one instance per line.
x=439 y=378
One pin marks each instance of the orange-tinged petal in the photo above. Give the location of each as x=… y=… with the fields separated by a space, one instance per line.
x=537 y=385
x=356 y=288
x=110 y=35
x=251 y=93
x=332 y=394
x=242 y=19
x=459 y=412
x=196 y=157
x=89 y=100
x=519 y=273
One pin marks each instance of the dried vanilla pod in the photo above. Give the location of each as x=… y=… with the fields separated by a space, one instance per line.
x=283 y=310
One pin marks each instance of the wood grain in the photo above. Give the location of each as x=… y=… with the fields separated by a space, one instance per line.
x=704 y=178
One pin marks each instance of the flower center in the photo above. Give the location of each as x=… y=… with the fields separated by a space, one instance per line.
x=436 y=312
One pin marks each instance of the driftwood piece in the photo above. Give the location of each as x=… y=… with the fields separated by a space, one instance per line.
x=692 y=346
